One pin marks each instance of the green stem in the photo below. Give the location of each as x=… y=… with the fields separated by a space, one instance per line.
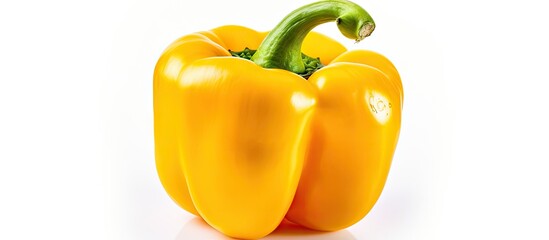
x=282 y=47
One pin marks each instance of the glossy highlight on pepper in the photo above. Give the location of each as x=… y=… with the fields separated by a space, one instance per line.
x=244 y=144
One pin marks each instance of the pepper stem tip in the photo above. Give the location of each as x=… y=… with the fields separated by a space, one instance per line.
x=365 y=31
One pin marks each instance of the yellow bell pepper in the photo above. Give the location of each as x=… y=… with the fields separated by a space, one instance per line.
x=244 y=143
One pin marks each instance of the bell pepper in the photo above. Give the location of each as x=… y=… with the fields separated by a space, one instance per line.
x=295 y=127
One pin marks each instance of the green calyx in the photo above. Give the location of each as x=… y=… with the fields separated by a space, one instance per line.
x=282 y=46
x=311 y=64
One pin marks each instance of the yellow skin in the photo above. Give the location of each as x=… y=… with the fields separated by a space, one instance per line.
x=243 y=144
x=355 y=131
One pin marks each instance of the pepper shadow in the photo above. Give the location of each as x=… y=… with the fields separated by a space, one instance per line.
x=196 y=228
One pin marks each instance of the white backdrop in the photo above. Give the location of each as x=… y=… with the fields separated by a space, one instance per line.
x=76 y=130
